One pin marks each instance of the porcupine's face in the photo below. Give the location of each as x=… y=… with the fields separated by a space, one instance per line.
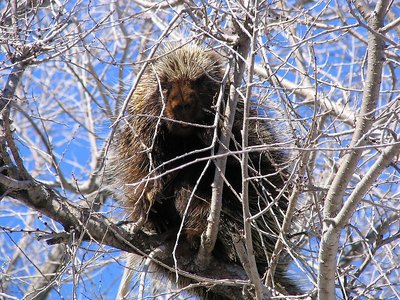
x=184 y=104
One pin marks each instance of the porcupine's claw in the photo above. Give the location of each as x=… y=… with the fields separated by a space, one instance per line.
x=134 y=227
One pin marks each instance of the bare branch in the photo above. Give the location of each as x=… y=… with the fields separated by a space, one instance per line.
x=348 y=163
x=365 y=184
x=209 y=236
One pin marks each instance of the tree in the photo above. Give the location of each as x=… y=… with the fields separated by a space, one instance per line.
x=67 y=70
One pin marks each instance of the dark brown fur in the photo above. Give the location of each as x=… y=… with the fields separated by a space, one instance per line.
x=162 y=152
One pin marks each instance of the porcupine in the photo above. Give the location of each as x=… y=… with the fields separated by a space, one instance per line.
x=162 y=151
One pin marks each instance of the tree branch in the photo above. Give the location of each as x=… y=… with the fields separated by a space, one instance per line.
x=95 y=226
x=365 y=184
x=208 y=238
x=348 y=163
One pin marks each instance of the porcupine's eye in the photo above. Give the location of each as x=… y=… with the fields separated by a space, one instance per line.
x=165 y=87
